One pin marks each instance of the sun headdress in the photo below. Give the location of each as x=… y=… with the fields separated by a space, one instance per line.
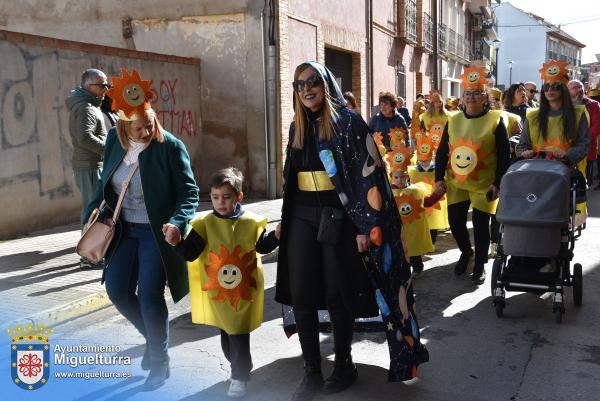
x=130 y=95
x=555 y=71
x=473 y=78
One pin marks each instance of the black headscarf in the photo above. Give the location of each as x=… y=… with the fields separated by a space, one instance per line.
x=335 y=92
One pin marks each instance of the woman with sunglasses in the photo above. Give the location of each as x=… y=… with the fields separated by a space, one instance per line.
x=557 y=126
x=338 y=203
x=475 y=148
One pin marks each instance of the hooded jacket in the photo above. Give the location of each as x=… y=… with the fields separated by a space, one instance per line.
x=86 y=126
x=357 y=172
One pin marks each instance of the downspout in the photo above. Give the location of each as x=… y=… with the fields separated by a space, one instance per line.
x=370 y=61
x=436 y=37
x=270 y=99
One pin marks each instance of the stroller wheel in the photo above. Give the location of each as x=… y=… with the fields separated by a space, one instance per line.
x=559 y=315
x=496 y=267
x=577 y=284
x=499 y=309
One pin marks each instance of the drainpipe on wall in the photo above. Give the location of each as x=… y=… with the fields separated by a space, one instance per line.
x=370 y=60
x=436 y=37
x=270 y=96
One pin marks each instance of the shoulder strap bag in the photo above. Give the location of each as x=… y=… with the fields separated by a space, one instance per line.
x=97 y=235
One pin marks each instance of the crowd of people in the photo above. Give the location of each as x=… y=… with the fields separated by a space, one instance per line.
x=368 y=199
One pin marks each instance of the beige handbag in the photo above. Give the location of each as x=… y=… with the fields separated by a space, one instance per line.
x=97 y=235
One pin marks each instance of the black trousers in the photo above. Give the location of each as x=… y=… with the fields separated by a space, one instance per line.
x=237 y=351
x=494 y=229
x=314 y=267
x=457 y=217
x=589 y=172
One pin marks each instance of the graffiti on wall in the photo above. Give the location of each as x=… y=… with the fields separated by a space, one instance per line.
x=35 y=145
x=178 y=121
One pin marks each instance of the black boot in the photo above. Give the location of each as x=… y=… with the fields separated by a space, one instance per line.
x=311 y=383
x=343 y=376
x=478 y=274
x=146 y=359
x=159 y=373
x=463 y=262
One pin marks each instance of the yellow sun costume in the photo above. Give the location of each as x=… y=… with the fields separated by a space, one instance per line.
x=226 y=281
x=434 y=126
x=416 y=229
x=510 y=120
x=556 y=71
x=437 y=215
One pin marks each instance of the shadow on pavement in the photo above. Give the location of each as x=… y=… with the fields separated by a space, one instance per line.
x=25 y=260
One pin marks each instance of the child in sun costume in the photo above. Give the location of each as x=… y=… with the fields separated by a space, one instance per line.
x=225 y=271
x=470 y=161
x=570 y=143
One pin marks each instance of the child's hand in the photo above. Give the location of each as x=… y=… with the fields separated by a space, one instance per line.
x=171 y=233
x=440 y=188
x=278 y=231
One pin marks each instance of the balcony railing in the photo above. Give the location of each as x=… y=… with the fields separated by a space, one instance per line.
x=460 y=46
x=411 y=20
x=427 y=31
x=451 y=41
x=442 y=44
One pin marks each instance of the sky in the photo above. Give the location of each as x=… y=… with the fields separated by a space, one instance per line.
x=560 y=12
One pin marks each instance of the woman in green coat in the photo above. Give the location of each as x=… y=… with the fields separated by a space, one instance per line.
x=161 y=198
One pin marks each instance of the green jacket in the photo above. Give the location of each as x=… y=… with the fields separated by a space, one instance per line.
x=86 y=126
x=170 y=195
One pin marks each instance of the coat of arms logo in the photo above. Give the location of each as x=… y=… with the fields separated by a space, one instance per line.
x=30 y=356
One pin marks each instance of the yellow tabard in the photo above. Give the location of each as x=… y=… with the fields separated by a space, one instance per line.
x=416 y=230
x=472 y=160
x=226 y=281
x=510 y=119
x=437 y=215
x=434 y=126
x=555 y=140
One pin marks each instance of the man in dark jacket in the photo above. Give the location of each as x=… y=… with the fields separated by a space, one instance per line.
x=388 y=118
x=88 y=134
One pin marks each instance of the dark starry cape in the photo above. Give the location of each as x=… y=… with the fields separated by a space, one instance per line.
x=353 y=162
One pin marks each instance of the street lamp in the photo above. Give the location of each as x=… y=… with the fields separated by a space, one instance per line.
x=496 y=48
x=510 y=64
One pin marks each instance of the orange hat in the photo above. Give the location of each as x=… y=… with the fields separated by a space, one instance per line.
x=424 y=148
x=473 y=78
x=130 y=95
x=399 y=157
x=555 y=71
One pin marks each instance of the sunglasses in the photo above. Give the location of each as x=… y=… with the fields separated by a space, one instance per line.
x=104 y=86
x=551 y=87
x=311 y=82
x=533 y=91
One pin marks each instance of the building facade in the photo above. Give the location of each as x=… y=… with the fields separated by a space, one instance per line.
x=527 y=42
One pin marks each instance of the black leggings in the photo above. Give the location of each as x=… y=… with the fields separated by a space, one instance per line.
x=237 y=351
x=314 y=266
x=457 y=217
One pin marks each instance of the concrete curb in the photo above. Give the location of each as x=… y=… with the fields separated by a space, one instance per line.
x=61 y=314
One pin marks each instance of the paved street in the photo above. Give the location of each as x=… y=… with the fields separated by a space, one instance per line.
x=474 y=355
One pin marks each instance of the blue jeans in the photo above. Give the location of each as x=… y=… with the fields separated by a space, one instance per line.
x=136 y=262
x=87 y=181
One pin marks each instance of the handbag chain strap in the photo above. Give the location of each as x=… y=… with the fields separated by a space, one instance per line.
x=122 y=194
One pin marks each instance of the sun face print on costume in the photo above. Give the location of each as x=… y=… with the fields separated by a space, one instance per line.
x=130 y=94
x=231 y=275
x=378 y=138
x=551 y=146
x=436 y=129
x=466 y=159
x=419 y=134
x=410 y=209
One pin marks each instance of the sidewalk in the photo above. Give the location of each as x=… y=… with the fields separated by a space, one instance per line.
x=40 y=278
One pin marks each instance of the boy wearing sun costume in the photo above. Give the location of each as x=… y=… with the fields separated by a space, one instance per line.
x=225 y=271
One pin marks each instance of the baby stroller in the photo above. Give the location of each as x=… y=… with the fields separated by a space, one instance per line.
x=536 y=211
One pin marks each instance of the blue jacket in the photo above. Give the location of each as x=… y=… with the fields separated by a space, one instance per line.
x=170 y=195
x=379 y=123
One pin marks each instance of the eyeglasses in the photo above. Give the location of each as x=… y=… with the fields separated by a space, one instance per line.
x=473 y=94
x=551 y=87
x=104 y=86
x=311 y=82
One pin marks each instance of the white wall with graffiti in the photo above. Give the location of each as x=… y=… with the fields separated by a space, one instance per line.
x=37 y=189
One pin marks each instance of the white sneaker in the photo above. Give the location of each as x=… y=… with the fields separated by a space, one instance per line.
x=237 y=389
